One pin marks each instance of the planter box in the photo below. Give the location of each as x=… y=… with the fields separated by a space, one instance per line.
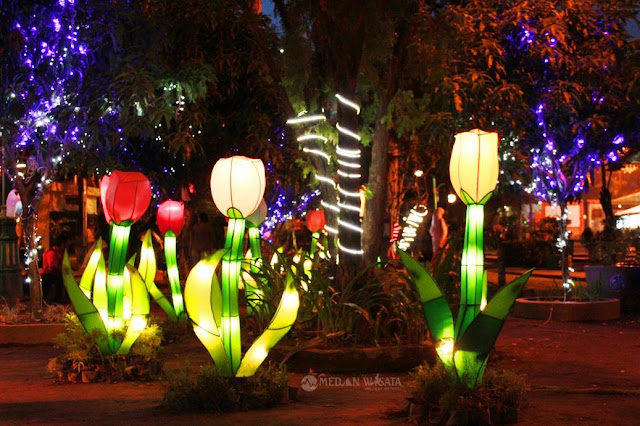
x=620 y=282
x=534 y=308
x=29 y=334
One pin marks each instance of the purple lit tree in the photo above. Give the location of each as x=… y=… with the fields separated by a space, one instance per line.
x=41 y=68
x=569 y=60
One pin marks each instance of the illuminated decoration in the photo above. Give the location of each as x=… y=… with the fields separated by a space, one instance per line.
x=412 y=223
x=42 y=66
x=212 y=304
x=243 y=187
x=237 y=187
x=253 y=293
x=571 y=132
x=285 y=206
x=464 y=348
x=315 y=224
x=474 y=170
x=170 y=220
x=349 y=173
x=629 y=218
x=14 y=204
x=451 y=198
x=126 y=198
x=316 y=139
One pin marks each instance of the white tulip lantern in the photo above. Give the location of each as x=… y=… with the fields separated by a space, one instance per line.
x=474 y=166
x=238 y=183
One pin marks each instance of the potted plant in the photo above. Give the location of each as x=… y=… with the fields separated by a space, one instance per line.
x=614 y=265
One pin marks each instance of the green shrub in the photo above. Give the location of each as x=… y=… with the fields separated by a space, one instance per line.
x=82 y=360
x=208 y=391
x=497 y=398
x=377 y=306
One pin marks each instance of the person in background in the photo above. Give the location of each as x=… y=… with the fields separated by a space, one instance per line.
x=439 y=232
x=51 y=272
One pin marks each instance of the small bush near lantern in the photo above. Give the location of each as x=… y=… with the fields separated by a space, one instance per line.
x=208 y=391
x=82 y=361
x=494 y=401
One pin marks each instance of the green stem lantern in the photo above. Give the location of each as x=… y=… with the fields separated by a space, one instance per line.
x=464 y=349
x=125 y=197
x=170 y=220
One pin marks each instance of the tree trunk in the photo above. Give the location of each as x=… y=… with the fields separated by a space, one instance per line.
x=376 y=211
x=395 y=184
x=605 y=202
x=563 y=246
x=29 y=227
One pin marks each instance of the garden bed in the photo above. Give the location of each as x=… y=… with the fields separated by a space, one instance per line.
x=353 y=359
x=29 y=334
x=556 y=309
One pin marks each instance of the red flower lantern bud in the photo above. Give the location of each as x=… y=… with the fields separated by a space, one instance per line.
x=170 y=217
x=104 y=184
x=315 y=220
x=126 y=196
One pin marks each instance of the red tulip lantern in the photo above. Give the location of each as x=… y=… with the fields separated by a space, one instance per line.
x=170 y=217
x=125 y=196
x=315 y=220
x=104 y=184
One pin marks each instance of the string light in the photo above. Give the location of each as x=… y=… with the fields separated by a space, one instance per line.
x=306 y=119
x=348 y=163
x=412 y=223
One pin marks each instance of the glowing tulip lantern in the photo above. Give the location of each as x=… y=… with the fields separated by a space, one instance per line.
x=117 y=304
x=170 y=220
x=315 y=224
x=237 y=187
x=465 y=349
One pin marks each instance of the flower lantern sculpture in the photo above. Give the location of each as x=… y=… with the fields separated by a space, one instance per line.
x=115 y=304
x=170 y=220
x=465 y=348
x=315 y=224
x=237 y=187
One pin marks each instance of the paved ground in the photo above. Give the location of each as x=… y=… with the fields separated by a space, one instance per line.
x=578 y=373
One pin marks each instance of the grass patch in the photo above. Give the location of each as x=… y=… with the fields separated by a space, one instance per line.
x=83 y=362
x=443 y=398
x=207 y=391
